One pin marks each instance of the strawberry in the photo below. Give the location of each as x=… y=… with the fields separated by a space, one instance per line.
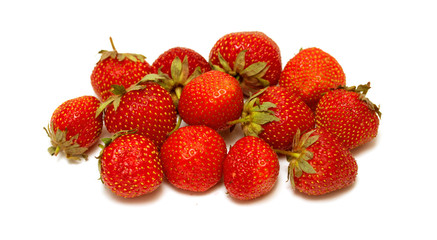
x=146 y=107
x=275 y=114
x=192 y=158
x=251 y=168
x=74 y=127
x=252 y=57
x=165 y=60
x=129 y=165
x=212 y=99
x=311 y=73
x=319 y=164
x=173 y=74
x=116 y=68
x=349 y=114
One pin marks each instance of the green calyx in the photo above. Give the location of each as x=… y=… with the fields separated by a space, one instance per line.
x=115 y=99
x=120 y=56
x=177 y=81
x=255 y=115
x=250 y=77
x=118 y=92
x=299 y=156
x=362 y=91
x=72 y=150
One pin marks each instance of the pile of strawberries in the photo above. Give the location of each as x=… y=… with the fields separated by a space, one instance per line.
x=304 y=111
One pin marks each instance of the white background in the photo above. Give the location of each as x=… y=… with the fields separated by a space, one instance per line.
x=49 y=49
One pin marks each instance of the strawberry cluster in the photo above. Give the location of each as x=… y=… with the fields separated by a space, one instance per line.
x=304 y=112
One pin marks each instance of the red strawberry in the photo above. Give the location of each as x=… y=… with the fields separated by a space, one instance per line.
x=116 y=68
x=275 y=114
x=319 y=164
x=147 y=108
x=347 y=113
x=311 y=73
x=192 y=158
x=165 y=60
x=212 y=99
x=251 y=168
x=252 y=57
x=129 y=165
x=173 y=74
x=74 y=127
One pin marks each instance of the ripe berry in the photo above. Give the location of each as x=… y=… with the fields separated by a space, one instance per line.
x=251 y=168
x=310 y=74
x=129 y=165
x=350 y=115
x=251 y=57
x=275 y=114
x=193 y=157
x=147 y=108
x=212 y=99
x=74 y=127
x=115 y=68
x=319 y=164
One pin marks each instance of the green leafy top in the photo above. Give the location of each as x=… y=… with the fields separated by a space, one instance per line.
x=299 y=156
x=119 y=91
x=250 y=77
x=362 y=91
x=70 y=147
x=255 y=115
x=177 y=81
x=120 y=56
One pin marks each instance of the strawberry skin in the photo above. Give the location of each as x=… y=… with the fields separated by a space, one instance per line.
x=130 y=166
x=259 y=48
x=116 y=68
x=319 y=164
x=192 y=158
x=348 y=114
x=251 y=168
x=148 y=110
x=212 y=99
x=74 y=127
x=164 y=61
x=311 y=73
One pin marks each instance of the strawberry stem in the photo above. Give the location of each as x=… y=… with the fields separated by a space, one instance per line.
x=112 y=44
x=288 y=153
x=57 y=150
x=178 y=92
x=178 y=125
x=240 y=120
